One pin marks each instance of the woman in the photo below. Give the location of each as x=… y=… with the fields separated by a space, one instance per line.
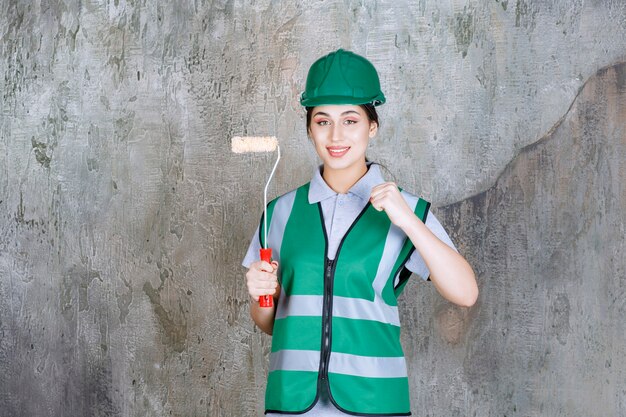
x=344 y=245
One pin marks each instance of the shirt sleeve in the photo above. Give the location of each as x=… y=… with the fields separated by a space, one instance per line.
x=416 y=263
x=253 y=250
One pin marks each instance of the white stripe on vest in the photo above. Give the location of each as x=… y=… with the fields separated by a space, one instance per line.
x=340 y=363
x=276 y=229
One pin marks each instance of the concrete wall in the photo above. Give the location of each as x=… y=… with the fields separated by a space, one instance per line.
x=124 y=216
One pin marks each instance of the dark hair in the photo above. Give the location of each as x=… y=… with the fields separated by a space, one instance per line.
x=369 y=109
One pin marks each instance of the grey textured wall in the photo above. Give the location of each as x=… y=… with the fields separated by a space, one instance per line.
x=124 y=216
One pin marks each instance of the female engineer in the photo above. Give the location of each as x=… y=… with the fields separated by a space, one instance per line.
x=344 y=246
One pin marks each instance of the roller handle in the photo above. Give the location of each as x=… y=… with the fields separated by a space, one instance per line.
x=266 y=300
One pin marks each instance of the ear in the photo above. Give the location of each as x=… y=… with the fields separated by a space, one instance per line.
x=373 y=129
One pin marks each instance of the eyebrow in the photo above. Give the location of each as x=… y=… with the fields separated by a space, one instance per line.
x=342 y=114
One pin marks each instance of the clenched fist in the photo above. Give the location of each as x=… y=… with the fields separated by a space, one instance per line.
x=386 y=196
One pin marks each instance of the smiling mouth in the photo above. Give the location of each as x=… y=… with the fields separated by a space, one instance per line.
x=337 y=152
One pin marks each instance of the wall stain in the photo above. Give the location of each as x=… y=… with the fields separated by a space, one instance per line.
x=452 y=323
x=74 y=287
x=175 y=330
x=20 y=214
x=123 y=300
x=41 y=153
x=234 y=307
x=463 y=30
x=524 y=15
x=123 y=126
x=92 y=164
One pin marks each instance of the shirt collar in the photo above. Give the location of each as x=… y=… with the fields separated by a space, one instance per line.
x=319 y=190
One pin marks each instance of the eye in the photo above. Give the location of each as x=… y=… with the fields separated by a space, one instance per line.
x=351 y=122
x=322 y=122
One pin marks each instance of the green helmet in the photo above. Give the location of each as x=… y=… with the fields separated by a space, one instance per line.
x=342 y=77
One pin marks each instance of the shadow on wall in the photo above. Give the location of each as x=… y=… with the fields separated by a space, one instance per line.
x=547 y=244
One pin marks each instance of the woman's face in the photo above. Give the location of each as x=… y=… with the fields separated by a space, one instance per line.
x=340 y=134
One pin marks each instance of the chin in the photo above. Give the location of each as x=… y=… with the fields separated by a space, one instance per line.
x=339 y=164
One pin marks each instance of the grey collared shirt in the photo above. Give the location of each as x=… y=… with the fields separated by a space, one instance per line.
x=340 y=211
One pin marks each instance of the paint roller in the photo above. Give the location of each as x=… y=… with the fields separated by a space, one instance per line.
x=248 y=144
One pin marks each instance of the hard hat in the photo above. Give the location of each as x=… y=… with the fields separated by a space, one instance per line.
x=342 y=77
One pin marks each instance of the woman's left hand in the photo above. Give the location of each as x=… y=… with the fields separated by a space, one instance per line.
x=386 y=196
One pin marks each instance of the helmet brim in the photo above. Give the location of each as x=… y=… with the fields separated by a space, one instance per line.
x=330 y=100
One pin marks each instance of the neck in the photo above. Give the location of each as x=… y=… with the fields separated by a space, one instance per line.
x=341 y=180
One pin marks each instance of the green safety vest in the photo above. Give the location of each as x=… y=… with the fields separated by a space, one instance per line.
x=337 y=325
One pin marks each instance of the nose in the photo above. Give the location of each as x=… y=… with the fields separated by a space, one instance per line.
x=336 y=135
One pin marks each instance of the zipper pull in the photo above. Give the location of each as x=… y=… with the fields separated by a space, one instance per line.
x=329 y=265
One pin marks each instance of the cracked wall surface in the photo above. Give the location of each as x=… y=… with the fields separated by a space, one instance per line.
x=124 y=216
x=548 y=336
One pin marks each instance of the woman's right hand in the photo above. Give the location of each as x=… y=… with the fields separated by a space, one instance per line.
x=261 y=279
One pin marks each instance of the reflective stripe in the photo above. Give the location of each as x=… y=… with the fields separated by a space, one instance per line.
x=412 y=201
x=393 y=244
x=295 y=360
x=356 y=308
x=351 y=308
x=367 y=366
x=340 y=363
x=278 y=222
x=299 y=305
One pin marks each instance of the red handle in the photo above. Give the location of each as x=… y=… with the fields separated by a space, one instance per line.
x=266 y=300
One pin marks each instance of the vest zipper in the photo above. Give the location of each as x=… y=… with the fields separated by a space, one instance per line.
x=327 y=307
x=327 y=310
